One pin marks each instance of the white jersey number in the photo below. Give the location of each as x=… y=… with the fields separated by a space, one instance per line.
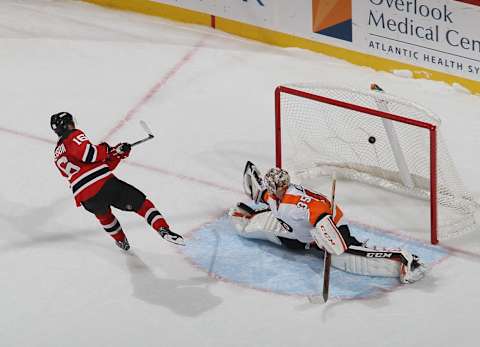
x=304 y=200
x=80 y=138
x=66 y=167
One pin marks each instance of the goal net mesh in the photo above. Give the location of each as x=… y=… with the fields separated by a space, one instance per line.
x=318 y=138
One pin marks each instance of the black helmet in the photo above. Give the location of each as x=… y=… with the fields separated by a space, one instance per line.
x=60 y=122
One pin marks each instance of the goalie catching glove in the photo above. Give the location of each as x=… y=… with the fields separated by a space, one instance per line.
x=252 y=181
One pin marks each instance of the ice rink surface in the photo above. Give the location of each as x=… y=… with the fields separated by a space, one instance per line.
x=208 y=96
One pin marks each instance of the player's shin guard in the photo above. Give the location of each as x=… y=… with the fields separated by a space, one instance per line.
x=153 y=217
x=112 y=226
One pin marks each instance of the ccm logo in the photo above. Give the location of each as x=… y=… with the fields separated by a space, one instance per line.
x=379 y=255
x=327 y=236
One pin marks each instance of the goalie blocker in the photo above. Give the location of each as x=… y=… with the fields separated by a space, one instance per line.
x=298 y=218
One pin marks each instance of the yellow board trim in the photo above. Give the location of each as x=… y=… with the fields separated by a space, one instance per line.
x=283 y=40
x=357 y=58
x=153 y=8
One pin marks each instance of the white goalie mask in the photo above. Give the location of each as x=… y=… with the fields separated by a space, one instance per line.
x=276 y=179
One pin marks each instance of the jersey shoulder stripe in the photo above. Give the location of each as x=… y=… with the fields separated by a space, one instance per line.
x=315 y=195
x=290 y=199
x=90 y=153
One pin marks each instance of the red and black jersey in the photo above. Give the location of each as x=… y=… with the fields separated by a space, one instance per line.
x=85 y=165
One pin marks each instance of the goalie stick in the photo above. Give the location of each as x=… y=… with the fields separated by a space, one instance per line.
x=249 y=210
x=148 y=131
x=327 y=260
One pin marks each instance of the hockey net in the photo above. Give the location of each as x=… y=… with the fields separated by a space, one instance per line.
x=374 y=138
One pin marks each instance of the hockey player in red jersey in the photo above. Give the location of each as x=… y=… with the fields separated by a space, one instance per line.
x=295 y=217
x=88 y=168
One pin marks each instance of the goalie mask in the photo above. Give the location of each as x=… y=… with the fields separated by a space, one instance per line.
x=276 y=179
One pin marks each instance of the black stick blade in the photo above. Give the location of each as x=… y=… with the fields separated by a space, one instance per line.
x=327 y=261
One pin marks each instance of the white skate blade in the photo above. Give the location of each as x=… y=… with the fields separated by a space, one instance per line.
x=176 y=240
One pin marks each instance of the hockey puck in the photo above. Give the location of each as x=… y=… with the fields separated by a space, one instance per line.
x=372 y=139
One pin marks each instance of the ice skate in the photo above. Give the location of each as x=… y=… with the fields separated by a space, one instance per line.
x=413 y=271
x=170 y=236
x=123 y=244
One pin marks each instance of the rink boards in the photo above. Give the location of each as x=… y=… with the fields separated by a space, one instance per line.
x=434 y=40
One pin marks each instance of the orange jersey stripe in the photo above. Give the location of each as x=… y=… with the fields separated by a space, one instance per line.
x=315 y=207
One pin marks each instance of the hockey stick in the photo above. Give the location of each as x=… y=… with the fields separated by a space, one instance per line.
x=147 y=130
x=327 y=259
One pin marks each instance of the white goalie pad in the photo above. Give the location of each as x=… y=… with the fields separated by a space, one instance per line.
x=327 y=236
x=261 y=226
x=366 y=266
x=386 y=263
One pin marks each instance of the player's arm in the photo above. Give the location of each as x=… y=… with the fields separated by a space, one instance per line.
x=83 y=150
x=116 y=154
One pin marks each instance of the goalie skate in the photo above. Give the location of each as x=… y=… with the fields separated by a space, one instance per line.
x=413 y=271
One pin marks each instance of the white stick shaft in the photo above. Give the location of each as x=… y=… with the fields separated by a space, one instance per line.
x=142 y=140
x=327 y=260
x=146 y=128
x=334 y=184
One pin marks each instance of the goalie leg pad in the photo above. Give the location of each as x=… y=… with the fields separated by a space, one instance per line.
x=265 y=226
x=261 y=226
x=363 y=261
x=326 y=235
x=398 y=263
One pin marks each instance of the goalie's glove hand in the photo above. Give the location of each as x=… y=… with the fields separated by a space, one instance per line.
x=120 y=151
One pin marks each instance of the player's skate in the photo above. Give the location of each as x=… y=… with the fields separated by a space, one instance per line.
x=123 y=244
x=170 y=236
x=413 y=270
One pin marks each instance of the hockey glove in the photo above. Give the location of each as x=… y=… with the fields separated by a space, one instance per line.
x=121 y=151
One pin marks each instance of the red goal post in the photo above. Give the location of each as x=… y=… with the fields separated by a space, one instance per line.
x=325 y=126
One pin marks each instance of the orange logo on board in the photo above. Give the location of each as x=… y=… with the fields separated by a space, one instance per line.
x=332 y=18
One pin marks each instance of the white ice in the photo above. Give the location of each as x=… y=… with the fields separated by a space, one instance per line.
x=209 y=98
